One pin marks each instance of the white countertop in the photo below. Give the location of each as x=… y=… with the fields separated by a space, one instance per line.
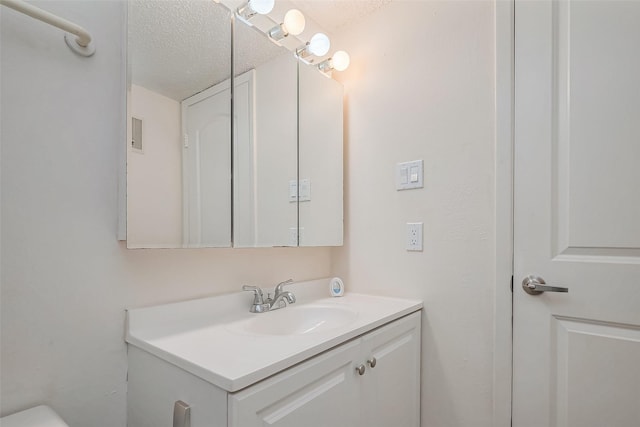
x=199 y=335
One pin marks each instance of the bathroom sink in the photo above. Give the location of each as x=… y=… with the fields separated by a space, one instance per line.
x=296 y=320
x=220 y=341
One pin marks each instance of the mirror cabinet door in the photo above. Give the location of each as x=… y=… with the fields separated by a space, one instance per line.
x=179 y=125
x=320 y=107
x=265 y=212
x=202 y=171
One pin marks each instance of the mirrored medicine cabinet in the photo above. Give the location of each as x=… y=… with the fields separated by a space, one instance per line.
x=202 y=171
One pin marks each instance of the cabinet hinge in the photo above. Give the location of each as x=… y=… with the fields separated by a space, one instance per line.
x=511 y=284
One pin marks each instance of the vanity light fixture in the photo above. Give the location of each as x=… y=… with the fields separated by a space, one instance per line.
x=318 y=45
x=254 y=7
x=293 y=24
x=339 y=62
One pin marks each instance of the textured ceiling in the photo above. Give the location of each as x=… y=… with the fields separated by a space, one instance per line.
x=180 y=47
x=252 y=48
x=333 y=15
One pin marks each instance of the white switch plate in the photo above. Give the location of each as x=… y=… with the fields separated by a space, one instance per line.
x=414 y=236
x=305 y=190
x=293 y=191
x=409 y=175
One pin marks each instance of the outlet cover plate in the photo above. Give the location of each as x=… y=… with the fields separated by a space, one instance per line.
x=414 y=236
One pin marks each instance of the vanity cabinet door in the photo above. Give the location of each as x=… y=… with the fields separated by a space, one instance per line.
x=391 y=387
x=321 y=392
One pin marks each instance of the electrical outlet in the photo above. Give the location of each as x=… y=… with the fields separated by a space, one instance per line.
x=293 y=236
x=296 y=236
x=414 y=236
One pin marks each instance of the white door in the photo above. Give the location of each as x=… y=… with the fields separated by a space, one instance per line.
x=577 y=213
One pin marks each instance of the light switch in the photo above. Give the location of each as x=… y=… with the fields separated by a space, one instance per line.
x=404 y=176
x=409 y=175
x=293 y=191
x=305 y=190
x=414 y=174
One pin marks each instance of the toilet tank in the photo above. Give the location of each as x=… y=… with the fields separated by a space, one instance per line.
x=40 y=416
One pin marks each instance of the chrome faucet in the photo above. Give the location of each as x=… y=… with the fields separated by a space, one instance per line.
x=258 y=306
x=279 y=300
x=280 y=295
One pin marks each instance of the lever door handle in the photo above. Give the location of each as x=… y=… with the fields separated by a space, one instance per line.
x=534 y=285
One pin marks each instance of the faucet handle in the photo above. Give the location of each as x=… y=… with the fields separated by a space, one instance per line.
x=280 y=285
x=257 y=293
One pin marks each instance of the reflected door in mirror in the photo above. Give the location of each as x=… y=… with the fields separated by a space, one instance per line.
x=206 y=168
x=179 y=195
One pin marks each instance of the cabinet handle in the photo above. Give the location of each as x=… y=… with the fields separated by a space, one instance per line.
x=181 y=414
x=360 y=369
x=372 y=362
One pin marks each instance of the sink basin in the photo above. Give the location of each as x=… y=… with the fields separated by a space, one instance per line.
x=296 y=320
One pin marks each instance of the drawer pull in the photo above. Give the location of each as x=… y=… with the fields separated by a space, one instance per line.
x=360 y=369
x=181 y=414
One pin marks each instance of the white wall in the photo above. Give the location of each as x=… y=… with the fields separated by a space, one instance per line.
x=154 y=177
x=65 y=280
x=421 y=86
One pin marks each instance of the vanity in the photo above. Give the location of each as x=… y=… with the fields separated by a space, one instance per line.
x=322 y=361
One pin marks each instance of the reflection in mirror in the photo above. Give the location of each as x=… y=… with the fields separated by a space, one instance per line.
x=179 y=158
x=265 y=141
x=320 y=156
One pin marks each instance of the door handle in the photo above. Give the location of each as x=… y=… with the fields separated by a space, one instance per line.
x=534 y=285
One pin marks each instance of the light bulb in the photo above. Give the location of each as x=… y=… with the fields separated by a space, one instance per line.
x=294 y=22
x=261 y=6
x=340 y=60
x=319 y=44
